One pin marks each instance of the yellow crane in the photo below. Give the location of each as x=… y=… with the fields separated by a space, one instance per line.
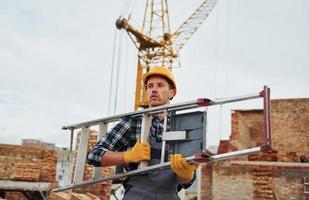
x=157 y=45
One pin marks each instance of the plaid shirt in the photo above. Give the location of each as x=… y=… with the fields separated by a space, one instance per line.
x=123 y=136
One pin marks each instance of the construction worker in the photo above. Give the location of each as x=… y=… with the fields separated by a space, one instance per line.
x=121 y=145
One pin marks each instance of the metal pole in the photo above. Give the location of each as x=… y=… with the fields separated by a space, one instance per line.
x=145 y=128
x=163 y=141
x=235 y=99
x=71 y=140
x=152 y=110
x=266 y=111
x=160 y=109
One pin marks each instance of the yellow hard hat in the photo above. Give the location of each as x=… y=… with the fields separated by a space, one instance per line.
x=162 y=71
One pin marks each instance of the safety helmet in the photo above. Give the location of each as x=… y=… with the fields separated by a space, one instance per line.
x=161 y=71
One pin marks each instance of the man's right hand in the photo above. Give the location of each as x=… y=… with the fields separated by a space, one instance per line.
x=140 y=151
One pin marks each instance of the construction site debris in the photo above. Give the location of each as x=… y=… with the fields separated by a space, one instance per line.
x=26 y=169
x=72 y=196
x=304 y=158
x=26 y=172
x=27 y=163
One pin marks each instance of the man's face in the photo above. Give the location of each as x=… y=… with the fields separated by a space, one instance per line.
x=158 y=91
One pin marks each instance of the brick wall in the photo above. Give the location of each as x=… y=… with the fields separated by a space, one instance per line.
x=247 y=127
x=290 y=128
x=231 y=183
x=207 y=181
x=263 y=178
x=251 y=180
x=102 y=190
x=277 y=180
x=13 y=155
x=27 y=163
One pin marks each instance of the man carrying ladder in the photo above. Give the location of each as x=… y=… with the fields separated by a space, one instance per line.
x=122 y=145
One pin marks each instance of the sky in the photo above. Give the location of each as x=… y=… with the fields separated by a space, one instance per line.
x=56 y=59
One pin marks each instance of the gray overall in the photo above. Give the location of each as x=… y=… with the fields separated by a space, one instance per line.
x=157 y=185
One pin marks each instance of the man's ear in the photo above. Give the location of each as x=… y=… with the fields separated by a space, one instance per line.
x=171 y=94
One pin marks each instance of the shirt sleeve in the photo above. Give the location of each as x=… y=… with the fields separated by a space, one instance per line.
x=116 y=139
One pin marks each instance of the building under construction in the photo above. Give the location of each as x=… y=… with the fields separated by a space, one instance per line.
x=29 y=172
x=280 y=171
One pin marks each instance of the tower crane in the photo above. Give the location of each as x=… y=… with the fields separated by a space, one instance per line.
x=157 y=45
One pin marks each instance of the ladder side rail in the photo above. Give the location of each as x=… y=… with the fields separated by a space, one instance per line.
x=81 y=156
x=70 y=164
x=160 y=109
x=190 y=159
x=102 y=132
x=265 y=94
x=236 y=99
x=71 y=139
x=153 y=110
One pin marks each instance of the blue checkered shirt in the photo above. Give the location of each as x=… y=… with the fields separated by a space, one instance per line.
x=123 y=136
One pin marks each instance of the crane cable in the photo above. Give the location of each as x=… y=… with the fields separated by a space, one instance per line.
x=115 y=73
x=226 y=64
x=124 y=8
x=112 y=74
x=118 y=72
x=127 y=8
x=216 y=57
x=125 y=74
x=112 y=84
x=227 y=47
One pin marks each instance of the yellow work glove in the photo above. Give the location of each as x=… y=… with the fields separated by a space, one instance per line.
x=182 y=168
x=140 y=151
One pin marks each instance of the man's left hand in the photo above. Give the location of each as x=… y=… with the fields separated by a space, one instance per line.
x=182 y=168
